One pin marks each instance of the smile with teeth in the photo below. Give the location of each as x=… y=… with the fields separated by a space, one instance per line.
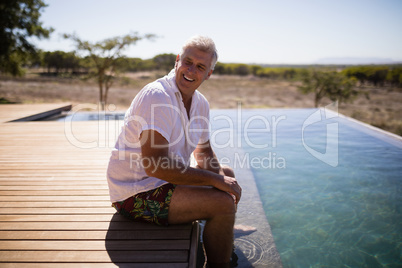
x=188 y=79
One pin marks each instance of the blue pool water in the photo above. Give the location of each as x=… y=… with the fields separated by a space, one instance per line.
x=331 y=188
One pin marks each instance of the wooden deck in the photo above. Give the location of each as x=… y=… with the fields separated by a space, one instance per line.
x=24 y=112
x=55 y=209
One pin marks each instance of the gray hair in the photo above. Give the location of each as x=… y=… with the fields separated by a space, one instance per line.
x=203 y=43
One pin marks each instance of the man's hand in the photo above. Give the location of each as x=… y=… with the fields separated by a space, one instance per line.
x=230 y=186
x=206 y=159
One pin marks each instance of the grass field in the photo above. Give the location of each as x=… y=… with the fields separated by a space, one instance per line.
x=383 y=108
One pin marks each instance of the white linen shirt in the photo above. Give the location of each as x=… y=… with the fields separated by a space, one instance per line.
x=158 y=106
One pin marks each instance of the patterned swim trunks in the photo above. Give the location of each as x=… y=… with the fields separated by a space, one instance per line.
x=151 y=206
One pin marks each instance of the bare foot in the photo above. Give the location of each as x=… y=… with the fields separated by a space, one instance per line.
x=240 y=228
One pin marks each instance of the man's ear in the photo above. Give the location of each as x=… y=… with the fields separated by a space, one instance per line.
x=177 y=60
x=209 y=74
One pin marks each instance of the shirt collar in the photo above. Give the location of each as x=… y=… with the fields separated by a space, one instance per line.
x=171 y=80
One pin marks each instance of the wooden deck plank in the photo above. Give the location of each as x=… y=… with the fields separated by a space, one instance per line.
x=94 y=245
x=49 y=179
x=195 y=234
x=56 y=193
x=91 y=175
x=58 y=211
x=62 y=218
x=96 y=235
x=94 y=256
x=72 y=226
x=37 y=198
x=55 y=204
x=53 y=188
x=52 y=183
x=95 y=265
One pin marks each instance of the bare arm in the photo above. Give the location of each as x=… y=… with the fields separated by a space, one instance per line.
x=206 y=158
x=155 y=148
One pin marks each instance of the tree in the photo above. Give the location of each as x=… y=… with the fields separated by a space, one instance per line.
x=394 y=76
x=19 y=20
x=242 y=69
x=377 y=75
x=60 y=60
x=105 y=56
x=165 y=61
x=333 y=85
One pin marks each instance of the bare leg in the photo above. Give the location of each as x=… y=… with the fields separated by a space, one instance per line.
x=191 y=203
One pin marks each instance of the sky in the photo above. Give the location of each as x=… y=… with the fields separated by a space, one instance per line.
x=248 y=31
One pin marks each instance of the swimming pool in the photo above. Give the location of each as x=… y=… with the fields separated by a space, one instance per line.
x=330 y=187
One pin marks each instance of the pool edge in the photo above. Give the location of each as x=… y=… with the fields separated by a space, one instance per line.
x=258 y=246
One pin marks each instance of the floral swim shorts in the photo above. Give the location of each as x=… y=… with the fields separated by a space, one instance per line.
x=151 y=206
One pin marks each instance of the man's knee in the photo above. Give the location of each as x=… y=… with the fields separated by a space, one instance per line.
x=226 y=204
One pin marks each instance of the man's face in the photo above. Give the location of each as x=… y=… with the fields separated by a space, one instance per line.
x=192 y=69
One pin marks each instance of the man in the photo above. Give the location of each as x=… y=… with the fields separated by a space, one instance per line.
x=167 y=121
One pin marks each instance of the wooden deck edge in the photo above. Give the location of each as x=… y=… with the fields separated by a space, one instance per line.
x=92 y=265
x=195 y=236
x=43 y=114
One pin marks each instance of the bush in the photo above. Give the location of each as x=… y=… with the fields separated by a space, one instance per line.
x=375 y=75
x=394 y=76
x=278 y=73
x=335 y=86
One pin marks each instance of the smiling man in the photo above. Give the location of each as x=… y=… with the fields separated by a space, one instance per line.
x=149 y=175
